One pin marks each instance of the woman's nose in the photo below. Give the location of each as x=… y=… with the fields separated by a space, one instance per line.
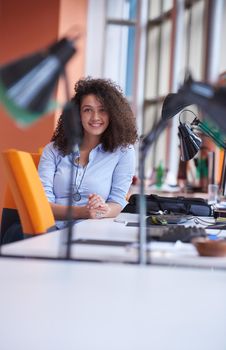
x=96 y=115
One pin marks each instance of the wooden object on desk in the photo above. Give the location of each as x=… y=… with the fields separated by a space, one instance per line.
x=207 y=247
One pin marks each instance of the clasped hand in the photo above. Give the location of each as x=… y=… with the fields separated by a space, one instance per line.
x=97 y=207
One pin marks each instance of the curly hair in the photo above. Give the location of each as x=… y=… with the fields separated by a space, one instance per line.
x=121 y=130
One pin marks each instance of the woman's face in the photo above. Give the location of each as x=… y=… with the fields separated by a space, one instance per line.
x=94 y=117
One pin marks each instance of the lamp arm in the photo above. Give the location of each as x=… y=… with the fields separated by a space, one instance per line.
x=153 y=134
x=146 y=142
x=73 y=132
x=216 y=137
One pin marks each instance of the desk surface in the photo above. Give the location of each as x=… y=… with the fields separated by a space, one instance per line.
x=178 y=254
x=68 y=305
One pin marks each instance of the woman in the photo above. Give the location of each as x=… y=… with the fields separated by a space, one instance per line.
x=105 y=162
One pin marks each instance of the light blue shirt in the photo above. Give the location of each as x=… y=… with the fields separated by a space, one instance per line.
x=108 y=174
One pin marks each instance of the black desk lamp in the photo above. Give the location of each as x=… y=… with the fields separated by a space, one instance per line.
x=210 y=100
x=26 y=88
x=190 y=143
x=27 y=84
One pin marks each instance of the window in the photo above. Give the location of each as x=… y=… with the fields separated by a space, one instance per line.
x=176 y=43
x=146 y=47
x=120 y=39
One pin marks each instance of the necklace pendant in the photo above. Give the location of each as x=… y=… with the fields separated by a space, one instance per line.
x=77 y=197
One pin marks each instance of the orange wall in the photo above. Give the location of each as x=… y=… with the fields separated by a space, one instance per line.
x=25 y=27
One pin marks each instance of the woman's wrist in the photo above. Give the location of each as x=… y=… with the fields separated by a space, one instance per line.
x=80 y=212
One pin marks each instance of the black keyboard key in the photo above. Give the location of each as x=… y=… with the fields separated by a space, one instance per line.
x=173 y=233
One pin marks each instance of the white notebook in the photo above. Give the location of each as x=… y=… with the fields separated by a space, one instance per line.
x=124 y=218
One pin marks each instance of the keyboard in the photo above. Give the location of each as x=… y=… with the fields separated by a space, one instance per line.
x=173 y=233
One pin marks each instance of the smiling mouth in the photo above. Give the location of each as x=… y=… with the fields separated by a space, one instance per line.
x=96 y=125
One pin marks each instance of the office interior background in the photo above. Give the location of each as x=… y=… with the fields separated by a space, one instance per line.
x=146 y=46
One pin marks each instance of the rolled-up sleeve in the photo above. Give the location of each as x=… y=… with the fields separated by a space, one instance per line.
x=122 y=176
x=47 y=169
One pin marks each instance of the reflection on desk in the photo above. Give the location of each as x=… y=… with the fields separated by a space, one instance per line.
x=174 y=254
x=69 y=305
x=82 y=306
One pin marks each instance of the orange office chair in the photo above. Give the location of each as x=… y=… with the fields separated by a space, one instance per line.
x=25 y=204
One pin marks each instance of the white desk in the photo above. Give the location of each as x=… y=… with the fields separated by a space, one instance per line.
x=54 y=305
x=60 y=305
x=161 y=253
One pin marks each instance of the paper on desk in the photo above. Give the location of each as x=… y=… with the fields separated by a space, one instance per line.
x=168 y=249
x=127 y=217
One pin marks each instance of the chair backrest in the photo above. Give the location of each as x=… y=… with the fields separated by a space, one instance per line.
x=28 y=195
x=8 y=200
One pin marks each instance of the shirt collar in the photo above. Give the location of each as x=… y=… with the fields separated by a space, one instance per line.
x=99 y=148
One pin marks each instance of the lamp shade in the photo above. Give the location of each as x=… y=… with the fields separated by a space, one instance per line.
x=27 y=84
x=189 y=142
x=210 y=99
x=172 y=105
